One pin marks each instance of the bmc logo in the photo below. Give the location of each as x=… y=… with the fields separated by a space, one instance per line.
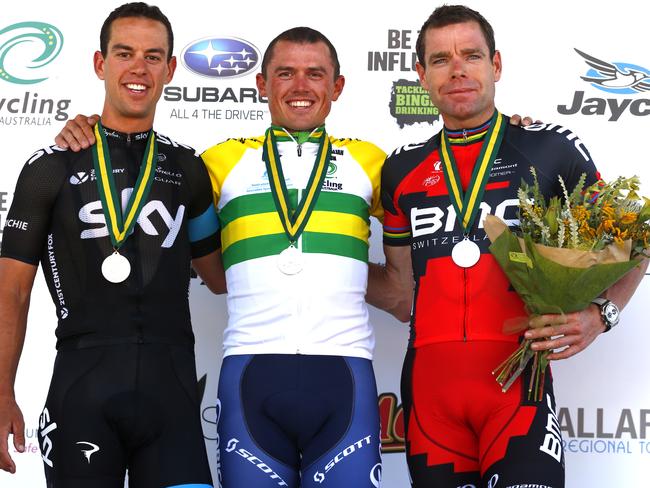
x=425 y=221
x=92 y=213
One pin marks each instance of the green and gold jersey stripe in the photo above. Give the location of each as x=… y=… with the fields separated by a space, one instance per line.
x=263 y=203
x=312 y=242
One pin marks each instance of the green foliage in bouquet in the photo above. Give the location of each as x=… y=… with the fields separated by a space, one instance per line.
x=568 y=251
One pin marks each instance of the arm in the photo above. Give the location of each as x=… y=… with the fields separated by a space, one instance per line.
x=77 y=133
x=579 y=329
x=210 y=270
x=16 y=280
x=390 y=287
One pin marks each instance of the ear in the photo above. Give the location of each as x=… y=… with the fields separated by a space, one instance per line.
x=339 y=83
x=496 y=62
x=98 y=64
x=421 y=75
x=260 y=81
x=171 y=68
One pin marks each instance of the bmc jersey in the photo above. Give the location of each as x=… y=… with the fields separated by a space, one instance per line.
x=454 y=303
x=56 y=218
x=322 y=309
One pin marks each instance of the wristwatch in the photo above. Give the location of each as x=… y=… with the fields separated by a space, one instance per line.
x=608 y=311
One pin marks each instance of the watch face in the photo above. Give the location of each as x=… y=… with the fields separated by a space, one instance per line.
x=611 y=313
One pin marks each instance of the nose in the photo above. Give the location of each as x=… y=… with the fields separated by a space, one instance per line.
x=300 y=82
x=138 y=65
x=457 y=67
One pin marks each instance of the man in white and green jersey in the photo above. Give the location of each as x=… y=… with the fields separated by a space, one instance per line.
x=297 y=400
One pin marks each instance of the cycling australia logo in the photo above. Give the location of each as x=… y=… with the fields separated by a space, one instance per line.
x=226 y=57
x=25 y=48
x=614 y=78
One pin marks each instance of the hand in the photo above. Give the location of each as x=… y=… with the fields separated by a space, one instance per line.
x=11 y=422
x=516 y=119
x=573 y=332
x=77 y=133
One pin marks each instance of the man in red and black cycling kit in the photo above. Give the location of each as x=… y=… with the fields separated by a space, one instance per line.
x=461 y=430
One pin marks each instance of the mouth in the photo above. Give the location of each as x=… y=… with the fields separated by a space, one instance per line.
x=136 y=87
x=300 y=103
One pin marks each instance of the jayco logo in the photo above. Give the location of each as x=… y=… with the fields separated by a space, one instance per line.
x=615 y=78
x=25 y=48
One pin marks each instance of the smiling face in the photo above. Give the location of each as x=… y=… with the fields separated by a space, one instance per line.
x=300 y=85
x=459 y=74
x=135 y=70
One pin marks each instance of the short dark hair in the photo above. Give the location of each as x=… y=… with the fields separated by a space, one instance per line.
x=454 y=14
x=135 y=9
x=301 y=35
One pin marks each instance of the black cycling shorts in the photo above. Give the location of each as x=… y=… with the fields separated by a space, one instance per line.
x=124 y=407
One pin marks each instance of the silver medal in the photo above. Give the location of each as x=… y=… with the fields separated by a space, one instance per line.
x=290 y=261
x=466 y=253
x=116 y=268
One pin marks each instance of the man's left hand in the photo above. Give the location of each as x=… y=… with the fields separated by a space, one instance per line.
x=571 y=333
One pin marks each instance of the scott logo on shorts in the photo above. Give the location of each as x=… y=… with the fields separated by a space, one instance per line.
x=320 y=477
x=254 y=460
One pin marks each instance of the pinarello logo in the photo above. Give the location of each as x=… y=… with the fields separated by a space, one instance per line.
x=25 y=48
x=221 y=57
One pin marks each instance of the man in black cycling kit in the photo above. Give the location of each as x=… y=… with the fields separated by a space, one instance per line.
x=115 y=228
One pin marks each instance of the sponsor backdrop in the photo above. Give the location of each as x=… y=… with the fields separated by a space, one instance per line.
x=582 y=65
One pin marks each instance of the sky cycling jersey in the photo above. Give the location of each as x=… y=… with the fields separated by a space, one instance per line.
x=453 y=303
x=322 y=309
x=56 y=218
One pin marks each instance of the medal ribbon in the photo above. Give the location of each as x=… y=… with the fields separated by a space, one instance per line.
x=294 y=222
x=118 y=226
x=467 y=204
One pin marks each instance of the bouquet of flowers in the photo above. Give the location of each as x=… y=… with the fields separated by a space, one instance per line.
x=567 y=251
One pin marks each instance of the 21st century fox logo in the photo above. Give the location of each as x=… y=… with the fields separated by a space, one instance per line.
x=628 y=82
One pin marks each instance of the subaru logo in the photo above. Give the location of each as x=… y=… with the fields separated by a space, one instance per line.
x=221 y=57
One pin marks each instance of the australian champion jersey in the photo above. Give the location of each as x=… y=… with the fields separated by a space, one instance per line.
x=321 y=309
x=454 y=303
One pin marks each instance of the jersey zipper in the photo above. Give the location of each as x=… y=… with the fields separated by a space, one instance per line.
x=299 y=149
x=465 y=304
x=465 y=135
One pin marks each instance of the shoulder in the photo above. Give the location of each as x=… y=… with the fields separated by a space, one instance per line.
x=232 y=148
x=362 y=151
x=168 y=144
x=404 y=158
x=52 y=156
x=547 y=140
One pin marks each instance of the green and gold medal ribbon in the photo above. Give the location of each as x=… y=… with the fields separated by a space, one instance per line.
x=295 y=221
x=467 y=204
x=118 y=226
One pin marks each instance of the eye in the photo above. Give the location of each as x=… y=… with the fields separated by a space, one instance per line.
x=438 y=61
x=153 y=58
